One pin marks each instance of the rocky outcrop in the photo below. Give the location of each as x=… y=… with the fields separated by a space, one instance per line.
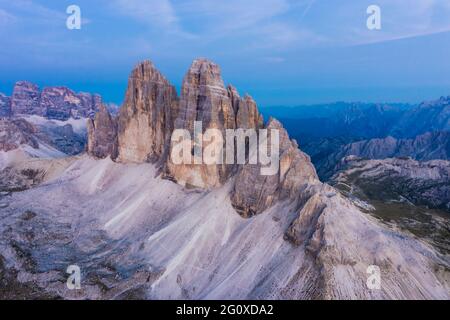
x=63 y=138
x=14 y=133
x=402 y=179
x=146 y=119
x=59 y=103
x=5 y=106
x=253 y=192
x=26 y=99
x=247 y=115
x=203 y=99
x=102 y=135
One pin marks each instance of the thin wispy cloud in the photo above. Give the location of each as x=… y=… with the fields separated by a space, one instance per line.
x=251 y=37
x=6 y=18
x=155 y=12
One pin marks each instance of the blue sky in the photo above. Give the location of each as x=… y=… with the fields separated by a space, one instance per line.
x=282 y=52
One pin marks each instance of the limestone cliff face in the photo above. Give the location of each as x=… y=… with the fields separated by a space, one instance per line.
x=253 y=192
x=247 y=115
x=205 y=99
x=61 y=103
x=102 y=135
x=146 y=119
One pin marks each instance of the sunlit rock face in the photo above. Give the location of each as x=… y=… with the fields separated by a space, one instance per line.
x=203 y=99
x=146 y=118
x=102 y=135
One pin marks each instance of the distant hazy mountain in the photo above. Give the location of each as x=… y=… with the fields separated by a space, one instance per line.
x=428 y=146
x=428 y=116
x=329 y=132
x=358 y=120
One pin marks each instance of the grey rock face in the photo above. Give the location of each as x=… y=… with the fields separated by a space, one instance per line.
x=58 y=103
x=62 y=103
x=62 y=138
x=203 y=98
x=14 y=133
x=253 y=193
x=89 y=105
x=146 y=119
x=26 y=99
x=102 y=135
x=5 y=106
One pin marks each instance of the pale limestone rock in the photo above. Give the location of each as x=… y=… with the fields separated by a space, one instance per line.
x=253 y=193
x=248 y=116
x=146 y=119
x=203 y=98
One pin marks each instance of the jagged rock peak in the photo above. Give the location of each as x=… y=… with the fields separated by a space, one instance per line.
x=146 y=118
x=146 y=70
x=102 y=135
x=203 y=99
x=59 y=103
x=205 y=72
